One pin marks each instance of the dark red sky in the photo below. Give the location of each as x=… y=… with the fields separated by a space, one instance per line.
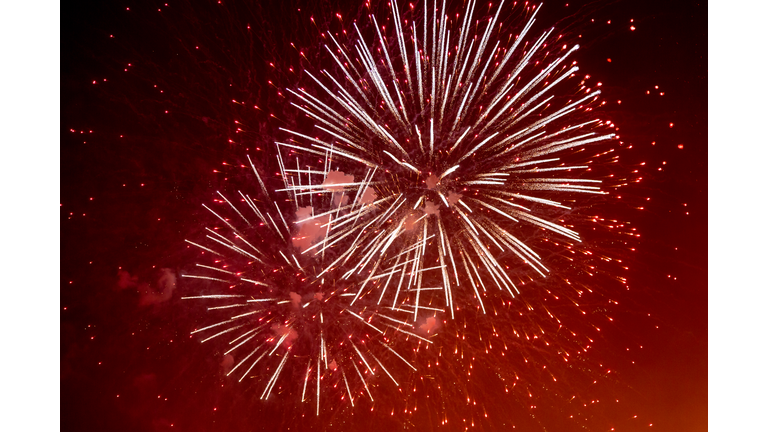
x=132 y=180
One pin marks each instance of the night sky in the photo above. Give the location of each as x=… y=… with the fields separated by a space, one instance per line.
x=147 y=120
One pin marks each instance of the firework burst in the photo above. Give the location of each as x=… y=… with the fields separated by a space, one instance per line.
x=440 y=180
x=283 y=314
x=469 y=137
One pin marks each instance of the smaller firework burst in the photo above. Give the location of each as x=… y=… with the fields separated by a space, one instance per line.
x=285 y=319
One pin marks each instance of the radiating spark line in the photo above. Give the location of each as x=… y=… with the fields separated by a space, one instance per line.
x=227 y=306
x=346 y=383
x=215 y=268
x=254 y=282
x=214 y=296
x=306 y=379
x=365 y=384
x=385 y=370
x=273 y=380
x=398 y=355
x=203 y=248
x=222 y=332
x=205 y=277
x=364 y=321
x=242 y=342
x=244 y=360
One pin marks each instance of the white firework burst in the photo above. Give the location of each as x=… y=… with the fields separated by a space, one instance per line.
x=454 y=136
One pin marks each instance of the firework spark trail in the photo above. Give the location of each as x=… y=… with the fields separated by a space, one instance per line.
x=496 y=122
x=294 y=309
